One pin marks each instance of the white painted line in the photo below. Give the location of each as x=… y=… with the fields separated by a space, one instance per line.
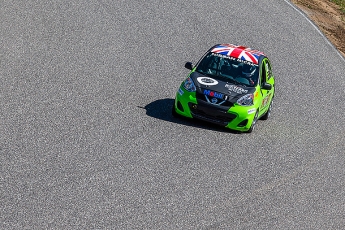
x=317 y=29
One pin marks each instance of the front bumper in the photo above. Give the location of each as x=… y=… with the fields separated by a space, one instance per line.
x=238 y=118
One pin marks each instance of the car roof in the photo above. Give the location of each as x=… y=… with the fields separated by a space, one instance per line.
x=240 y=52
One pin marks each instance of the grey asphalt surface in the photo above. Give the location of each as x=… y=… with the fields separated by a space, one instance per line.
x=87 y=140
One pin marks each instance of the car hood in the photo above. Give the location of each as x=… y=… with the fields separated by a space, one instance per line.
x=220 y=88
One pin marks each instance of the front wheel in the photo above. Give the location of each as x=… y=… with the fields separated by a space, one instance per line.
x=173 y=112
x=253 y=123
x=268 y=113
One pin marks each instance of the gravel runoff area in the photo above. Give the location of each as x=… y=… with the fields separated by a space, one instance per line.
x=329 y=16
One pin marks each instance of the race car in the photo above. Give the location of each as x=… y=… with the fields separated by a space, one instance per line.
x=231 y=86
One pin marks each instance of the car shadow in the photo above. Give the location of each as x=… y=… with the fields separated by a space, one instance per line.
x=161 y=109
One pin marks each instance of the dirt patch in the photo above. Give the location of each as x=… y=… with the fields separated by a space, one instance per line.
x=329 y=17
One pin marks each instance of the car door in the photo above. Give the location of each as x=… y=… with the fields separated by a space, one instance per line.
x=266 y=76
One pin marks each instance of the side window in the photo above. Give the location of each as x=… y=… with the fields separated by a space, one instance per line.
x=269 y=70
x=263 y=72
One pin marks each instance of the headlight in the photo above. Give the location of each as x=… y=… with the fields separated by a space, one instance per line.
x=188 y=84
x=246 y=100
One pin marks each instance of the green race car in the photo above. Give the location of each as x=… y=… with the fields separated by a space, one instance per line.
x=231 y=86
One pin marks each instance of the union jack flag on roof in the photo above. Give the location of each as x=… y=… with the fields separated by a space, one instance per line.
x=241 y=52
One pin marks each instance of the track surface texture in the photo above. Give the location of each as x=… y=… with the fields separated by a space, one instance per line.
x=87 y=137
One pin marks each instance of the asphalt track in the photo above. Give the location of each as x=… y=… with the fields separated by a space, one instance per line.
x=88 y=142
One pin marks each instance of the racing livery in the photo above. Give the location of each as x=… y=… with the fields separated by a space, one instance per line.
x=231 y=86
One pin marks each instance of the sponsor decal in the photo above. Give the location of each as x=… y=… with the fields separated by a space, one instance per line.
x=214 y=100
x=236 y=89
x=240 y=52
x=207 y=81
x=265 y=101
x=180 y=91
x=250 y=111
x=213 y=94
x=235 y=59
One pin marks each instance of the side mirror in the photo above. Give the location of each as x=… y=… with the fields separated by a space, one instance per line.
x=266 y=86
x=189 y=65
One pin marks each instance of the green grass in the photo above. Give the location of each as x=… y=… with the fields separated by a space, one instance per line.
x=341 y=3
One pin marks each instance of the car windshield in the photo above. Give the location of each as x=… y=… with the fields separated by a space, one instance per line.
x=232 y=69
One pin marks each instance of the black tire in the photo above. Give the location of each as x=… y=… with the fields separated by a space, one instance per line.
x=173 y=112
x=268 y=113
x=253 y=123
